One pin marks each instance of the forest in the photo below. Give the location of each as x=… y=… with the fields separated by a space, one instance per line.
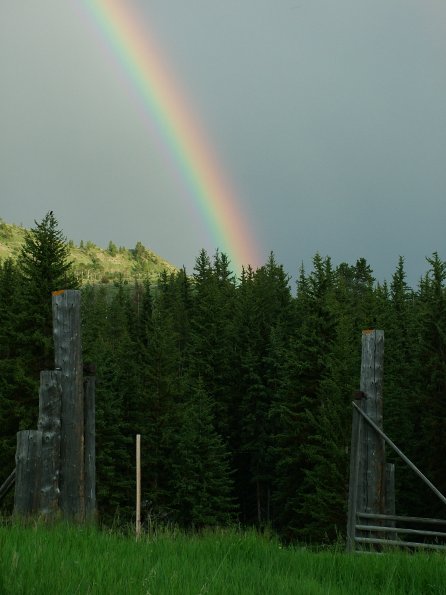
x=241 y=386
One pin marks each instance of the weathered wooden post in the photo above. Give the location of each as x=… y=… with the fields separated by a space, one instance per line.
x=372 y=467
x=390 y=495
x=50 y=400
x=28 y=467
x=367 y=486
x=90 y=447
x=68 y=359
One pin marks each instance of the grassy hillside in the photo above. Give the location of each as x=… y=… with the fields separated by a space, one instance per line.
x=92 y=263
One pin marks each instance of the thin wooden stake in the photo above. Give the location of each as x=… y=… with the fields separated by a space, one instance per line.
x=138 y=485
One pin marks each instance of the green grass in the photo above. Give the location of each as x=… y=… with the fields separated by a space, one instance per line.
x=63 y=559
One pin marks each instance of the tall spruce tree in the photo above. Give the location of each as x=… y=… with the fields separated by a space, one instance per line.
x=304 y=366
x=45 y=267
x=263 y=326
x=432 y=377
x=212 y=334
x=401 y=398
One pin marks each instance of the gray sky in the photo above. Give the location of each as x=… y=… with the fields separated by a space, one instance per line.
x=328 y=117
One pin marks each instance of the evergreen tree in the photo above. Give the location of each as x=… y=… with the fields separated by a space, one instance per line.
x=212 y=334
x=263 y=326
x=108 y=344
x=15 y=385
x=44 y=267
x=163 y=394
x=201 y=484
x=401 y=401
x=432 y=378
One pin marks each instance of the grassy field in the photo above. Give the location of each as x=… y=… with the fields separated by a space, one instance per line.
x=82 y=560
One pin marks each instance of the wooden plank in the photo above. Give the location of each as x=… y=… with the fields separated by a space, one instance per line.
x=7 y=484
x=406 y=519
x=50 y=399
x=68 y=359
x=411 y=544
x=372 y=498
x=404 y=530
x=27 y=482
x=90 y=447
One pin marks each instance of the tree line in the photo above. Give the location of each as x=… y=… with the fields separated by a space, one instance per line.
x=240 y=387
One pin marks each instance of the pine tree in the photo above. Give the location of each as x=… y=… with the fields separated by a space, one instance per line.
x=263 y=326
x=432 y=379
x=305 y=364
x=401 y=401
x=201 y=484
x=44 y=267
x=212 y=334
x=14 y=382
x=107 y=343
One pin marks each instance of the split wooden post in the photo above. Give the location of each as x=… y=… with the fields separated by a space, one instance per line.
x=138 y=485
x=28 y=466
x=68 y=359
x=50 y=398
x=90 y=447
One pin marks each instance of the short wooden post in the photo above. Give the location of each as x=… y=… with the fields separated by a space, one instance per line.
x=68 y=359
x=27 y=482
x=90 y=447
x=390 y=495
x=50 y=397
x=138 y=486
x=372 y=496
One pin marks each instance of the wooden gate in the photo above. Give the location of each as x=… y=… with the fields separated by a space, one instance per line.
x=371 y=520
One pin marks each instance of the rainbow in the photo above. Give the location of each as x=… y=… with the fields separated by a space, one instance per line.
x=165 y=107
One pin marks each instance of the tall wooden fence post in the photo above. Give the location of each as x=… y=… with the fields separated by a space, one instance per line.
x=372 y=497
x=68 y=359
x=367 y=486
x=50 y=398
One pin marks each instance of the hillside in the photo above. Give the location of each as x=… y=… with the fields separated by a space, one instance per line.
x=92 y=263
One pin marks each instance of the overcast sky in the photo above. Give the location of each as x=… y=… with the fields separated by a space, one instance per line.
x=328 y=117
